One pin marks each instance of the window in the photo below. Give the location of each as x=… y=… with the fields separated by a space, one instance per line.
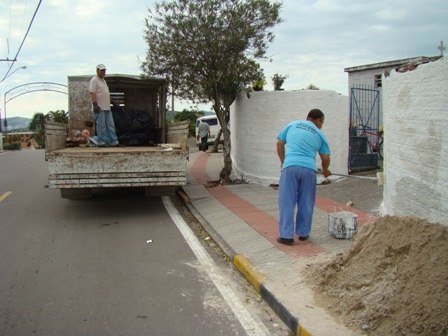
x=378 y=83
x=212 y=122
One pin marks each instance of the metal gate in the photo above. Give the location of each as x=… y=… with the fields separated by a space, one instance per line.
x=365 y=138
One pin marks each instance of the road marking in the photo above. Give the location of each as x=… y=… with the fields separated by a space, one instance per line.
x=251 y=326
x=5 y=195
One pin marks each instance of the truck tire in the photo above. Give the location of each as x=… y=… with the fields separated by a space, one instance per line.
x=79 y=193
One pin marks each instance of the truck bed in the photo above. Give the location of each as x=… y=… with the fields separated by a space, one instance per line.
x=83 y=167
x=94 y=167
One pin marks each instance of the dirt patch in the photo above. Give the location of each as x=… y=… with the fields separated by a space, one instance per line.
x=393 y=281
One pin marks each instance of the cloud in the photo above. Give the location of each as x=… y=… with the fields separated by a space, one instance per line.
x=316 y=41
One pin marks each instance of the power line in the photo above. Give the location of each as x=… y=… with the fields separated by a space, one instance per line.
x=23 y=41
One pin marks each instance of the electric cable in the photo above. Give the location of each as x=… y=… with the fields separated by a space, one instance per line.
x=23 y=41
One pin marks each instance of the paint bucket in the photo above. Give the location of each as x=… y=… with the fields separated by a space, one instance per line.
x=342 y=225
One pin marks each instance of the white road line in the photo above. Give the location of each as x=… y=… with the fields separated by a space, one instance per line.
x=5 y=195
x=251 y=326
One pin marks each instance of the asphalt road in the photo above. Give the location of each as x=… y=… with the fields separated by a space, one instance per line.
x=115 y=264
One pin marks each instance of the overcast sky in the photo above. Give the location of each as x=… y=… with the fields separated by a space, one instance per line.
x=316 y=41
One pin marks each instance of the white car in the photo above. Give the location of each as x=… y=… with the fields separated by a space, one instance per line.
x=213 y=122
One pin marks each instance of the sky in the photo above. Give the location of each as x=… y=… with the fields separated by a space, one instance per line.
x=315 y=42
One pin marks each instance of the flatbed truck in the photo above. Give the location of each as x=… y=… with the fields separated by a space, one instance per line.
x=158 y=164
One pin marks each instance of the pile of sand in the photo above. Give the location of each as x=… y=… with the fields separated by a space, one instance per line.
x=393 y=281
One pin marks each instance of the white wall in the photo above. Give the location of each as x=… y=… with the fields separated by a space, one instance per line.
x=256 y=121
x=365 y=78
x=415 y=107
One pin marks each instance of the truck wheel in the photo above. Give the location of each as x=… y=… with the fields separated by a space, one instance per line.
x=76 y=193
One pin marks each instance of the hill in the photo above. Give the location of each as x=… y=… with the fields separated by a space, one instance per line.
x=17 y=123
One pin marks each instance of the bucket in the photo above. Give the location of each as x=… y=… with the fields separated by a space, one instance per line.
x=342 y=225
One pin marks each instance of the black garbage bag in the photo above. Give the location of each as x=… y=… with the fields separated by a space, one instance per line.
x=122 y=120
x=133 y=127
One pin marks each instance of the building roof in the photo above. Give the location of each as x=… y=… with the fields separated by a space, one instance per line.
x=392 y=64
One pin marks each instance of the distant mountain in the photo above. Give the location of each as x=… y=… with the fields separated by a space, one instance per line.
x=17 y=123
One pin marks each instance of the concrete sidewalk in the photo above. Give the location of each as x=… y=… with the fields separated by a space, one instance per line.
x=243 y=220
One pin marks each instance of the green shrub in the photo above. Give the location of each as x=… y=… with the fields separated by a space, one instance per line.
x=11 y=146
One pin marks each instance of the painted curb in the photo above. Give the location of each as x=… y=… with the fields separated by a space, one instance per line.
x=254 y=277
x=249 y=271
x=257 y=279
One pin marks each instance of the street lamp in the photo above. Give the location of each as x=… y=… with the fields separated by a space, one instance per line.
x=4 y=106
x=12 y=73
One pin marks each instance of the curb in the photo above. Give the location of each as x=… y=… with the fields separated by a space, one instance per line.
x=244 y=266
x=225 y=247
x=256 y=279
x=249 y=271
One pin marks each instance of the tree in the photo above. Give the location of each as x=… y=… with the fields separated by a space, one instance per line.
x=191 y=116
x=208 y=50
x=312 y=87
x=37 y=122
x=278 y=80
x=37 y=125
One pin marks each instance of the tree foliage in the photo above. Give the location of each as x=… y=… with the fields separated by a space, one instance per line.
x=191 y=116
x=37 y=122
x=278 y=80
x=208 y=50
x=312 y=87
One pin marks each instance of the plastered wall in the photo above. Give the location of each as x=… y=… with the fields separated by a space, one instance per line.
x=415 y=106
x=256 y=121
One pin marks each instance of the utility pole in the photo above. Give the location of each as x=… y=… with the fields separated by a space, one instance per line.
x=4 y=123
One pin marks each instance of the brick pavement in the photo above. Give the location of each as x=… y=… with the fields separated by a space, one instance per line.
x=259 y=220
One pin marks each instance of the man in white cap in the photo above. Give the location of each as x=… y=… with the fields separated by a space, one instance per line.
x=99 y=92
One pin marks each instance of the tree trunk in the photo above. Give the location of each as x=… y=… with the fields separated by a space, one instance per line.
x=227 y=169
x=216 y=142
x=223 y=113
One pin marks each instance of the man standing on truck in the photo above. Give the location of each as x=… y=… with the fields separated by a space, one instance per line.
x=100 y=95
x=203 y=133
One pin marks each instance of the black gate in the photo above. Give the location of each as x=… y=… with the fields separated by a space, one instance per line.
x=365 y=140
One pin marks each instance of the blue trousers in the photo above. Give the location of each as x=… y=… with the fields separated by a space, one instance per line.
x=105 y=129
x=297 y=187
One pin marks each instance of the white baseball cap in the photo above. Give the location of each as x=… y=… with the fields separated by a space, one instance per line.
x=101 y=67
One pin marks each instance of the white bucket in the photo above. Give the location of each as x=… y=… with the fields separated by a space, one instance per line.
x=342 y=225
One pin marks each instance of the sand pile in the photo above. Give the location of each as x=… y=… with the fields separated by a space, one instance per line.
x=393 y=281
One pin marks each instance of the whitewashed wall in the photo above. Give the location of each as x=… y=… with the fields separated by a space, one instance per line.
x=415 y=107
x=256 y=121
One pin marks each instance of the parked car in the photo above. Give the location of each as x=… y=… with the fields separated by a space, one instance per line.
x=213 y=122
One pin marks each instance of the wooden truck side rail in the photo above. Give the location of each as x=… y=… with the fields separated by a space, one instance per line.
x=178 y=133
x=55 y=136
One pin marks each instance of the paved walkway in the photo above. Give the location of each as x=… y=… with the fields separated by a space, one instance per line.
x=243 y=220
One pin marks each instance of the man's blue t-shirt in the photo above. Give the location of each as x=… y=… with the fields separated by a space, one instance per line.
x=303 y=141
